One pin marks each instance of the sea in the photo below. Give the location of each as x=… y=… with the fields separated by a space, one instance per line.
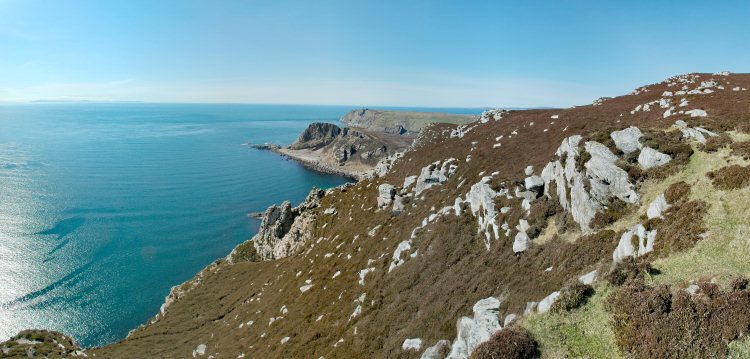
x=105 y=206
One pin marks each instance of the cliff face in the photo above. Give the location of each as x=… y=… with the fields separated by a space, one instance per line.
x=525 y=221
x=400 y=122
x=283 y=229
x=348 y=151
x=316 y=135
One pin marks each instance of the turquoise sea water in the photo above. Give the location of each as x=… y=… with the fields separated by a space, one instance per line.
x=105 y=207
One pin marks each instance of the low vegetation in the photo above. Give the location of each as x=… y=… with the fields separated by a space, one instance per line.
x=507 y=343
x=730 y=177
x=657 y=322
x=573 y=295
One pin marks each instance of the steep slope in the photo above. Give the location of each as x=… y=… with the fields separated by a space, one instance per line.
x=484 y=225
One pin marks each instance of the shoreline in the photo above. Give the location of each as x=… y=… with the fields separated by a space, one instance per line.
x=316 y=166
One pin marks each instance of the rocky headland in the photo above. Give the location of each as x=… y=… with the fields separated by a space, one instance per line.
x=349 y=152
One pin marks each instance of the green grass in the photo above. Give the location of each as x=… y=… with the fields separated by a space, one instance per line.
x=724 y=253
x=581 y=333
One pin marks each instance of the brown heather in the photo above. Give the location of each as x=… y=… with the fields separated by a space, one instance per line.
x=656 y=322
x=730 y=177
x=507 y=343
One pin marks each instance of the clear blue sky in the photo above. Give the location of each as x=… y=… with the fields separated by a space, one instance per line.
x=408 y=53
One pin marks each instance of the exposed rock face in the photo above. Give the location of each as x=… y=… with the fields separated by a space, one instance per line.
x=588 y=278
x=546 y=303
x=437 y=351
x=625 y=248
x=628 y=140
x=521 y=242
x=534 y=184
x=657 y=207
x=412 y=344
x=283 y=229
x=474 y=331
x=649 y=158
x=600 y=174
x=385 y=164
x=696 y=133
x=316 y=135
x=386 y=193
x=435 y=174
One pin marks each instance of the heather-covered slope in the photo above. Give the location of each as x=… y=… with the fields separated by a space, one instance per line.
x=502 y=223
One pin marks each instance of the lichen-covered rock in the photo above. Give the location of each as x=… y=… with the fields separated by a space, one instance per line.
x=625 y=248
x=657 y=207
x=546 y=303
x=697 y=133
x=606 y=177
x=534 y=184
x=412 y=344
x=588 y=278
x=283 y=229
x=628 y=140
x=386 y=192
x=398 y=204
x=481 y=202
x=435 y=174
x=649 y=158
x=477 y=330
x=436 y=351
x=521 y=242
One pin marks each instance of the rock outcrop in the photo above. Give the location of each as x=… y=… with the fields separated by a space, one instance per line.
x=347 y=151
x=586 y=191
x=283 y=229
x=476 y=330
x=316 y=135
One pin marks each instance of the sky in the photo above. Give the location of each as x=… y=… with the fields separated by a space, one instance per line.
x=366 y=53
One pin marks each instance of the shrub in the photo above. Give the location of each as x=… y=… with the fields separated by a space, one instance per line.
x=616 y=209
x=573 y=295
x=668 y=143
x=627 y=269
x=245 y=252
x=713 y=144
x=565 y=222
x=507 y=343
x=681 y=227
x=676 y=192
x=741 y=149
x=652 y=322
x=730 y=177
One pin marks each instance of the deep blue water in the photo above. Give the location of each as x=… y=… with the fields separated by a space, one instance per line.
x=105 y=207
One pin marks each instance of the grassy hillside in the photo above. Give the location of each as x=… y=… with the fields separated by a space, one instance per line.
x=391 y=121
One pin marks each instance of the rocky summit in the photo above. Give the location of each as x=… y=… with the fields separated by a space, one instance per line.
x=611 y=230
